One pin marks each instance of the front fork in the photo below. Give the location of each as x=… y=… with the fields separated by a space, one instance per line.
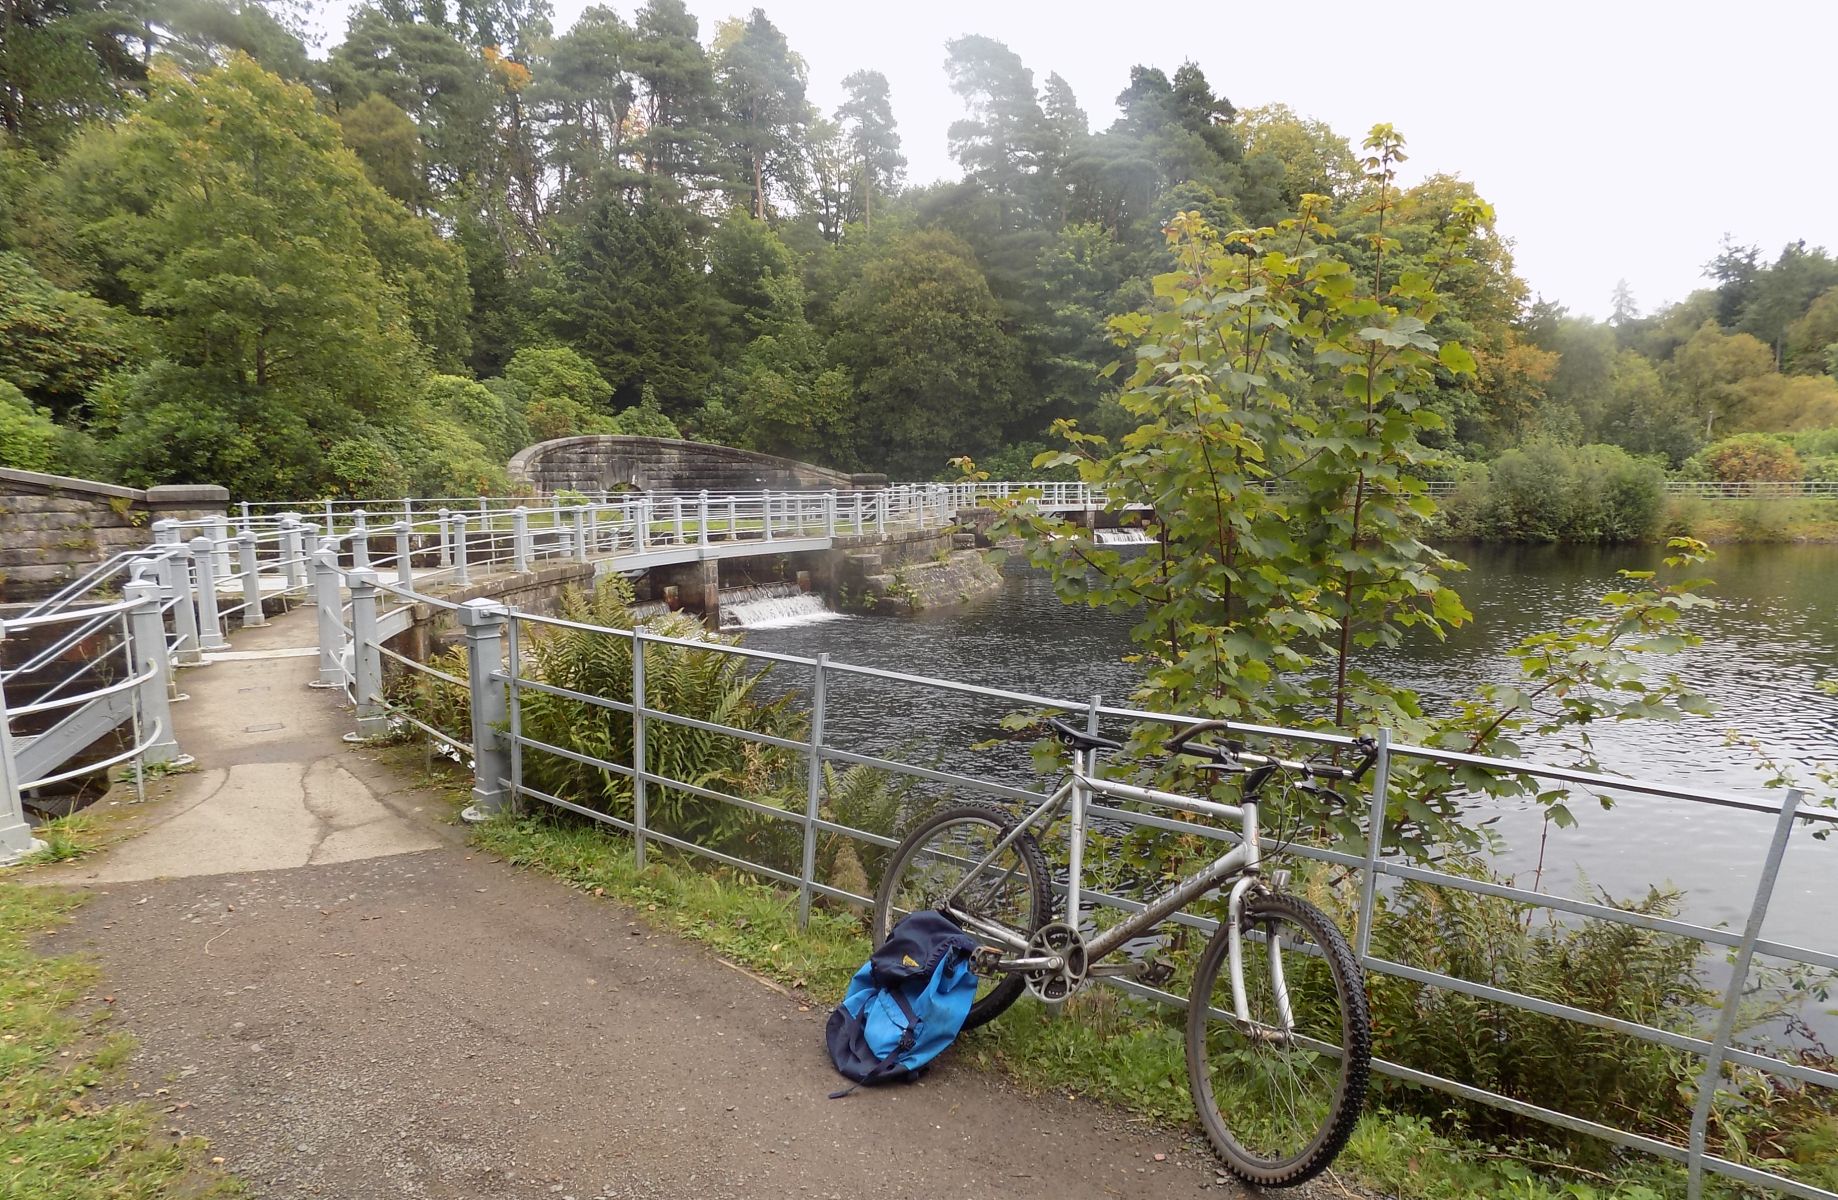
x=1273 y=946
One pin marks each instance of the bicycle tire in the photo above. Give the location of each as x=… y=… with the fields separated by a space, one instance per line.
x=1038 y=910
x=1305 y=976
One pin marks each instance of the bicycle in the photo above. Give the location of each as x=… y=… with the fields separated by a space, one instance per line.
x=1278 y=1051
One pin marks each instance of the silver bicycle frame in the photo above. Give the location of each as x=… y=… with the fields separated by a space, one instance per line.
x=1241 y=863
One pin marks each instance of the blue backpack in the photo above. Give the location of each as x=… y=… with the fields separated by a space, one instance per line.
x=906 y=1004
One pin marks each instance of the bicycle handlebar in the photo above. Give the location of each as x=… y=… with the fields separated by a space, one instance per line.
x=1233 y=754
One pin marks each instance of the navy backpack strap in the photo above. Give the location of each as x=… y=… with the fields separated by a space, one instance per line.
x=890 y=1062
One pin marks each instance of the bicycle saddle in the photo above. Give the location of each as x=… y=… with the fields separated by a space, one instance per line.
x=1078 y=739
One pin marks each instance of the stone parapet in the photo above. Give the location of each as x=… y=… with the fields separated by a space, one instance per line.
x=608 y=462
x=53 y=528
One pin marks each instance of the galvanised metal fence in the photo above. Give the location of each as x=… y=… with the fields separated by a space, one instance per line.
x=500 y=746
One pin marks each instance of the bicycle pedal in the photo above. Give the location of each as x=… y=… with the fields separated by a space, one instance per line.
x=1154 y=972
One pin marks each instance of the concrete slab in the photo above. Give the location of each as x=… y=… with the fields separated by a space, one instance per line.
x=274 y=787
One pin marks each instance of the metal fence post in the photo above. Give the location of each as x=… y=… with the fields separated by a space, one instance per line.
x=880 y=513
x=252 y=583
x=483 y=622
x=1732 y=997
x=360 y=539
x=593 y=526
x=580 y=535
x=405 y=557
x=765 y=507
x=829 y=513
x=460 y=575
x=733 y=524
x=325 y=598
x=642 y=531
x=147 y=651
x=221 y=565
x=813 y=794
x=638 y=747
x=858 y=514
x=366 y=661
x=520 y=539
x=16 y=840
x=445 y=517
x=702 y=518
x=676 y=504
x=1375 y=836
x=174 y=573
x=293 y=552
x=210 y=625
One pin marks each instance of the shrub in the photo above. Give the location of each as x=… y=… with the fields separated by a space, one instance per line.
x=1549 y=492
x=1748 y=457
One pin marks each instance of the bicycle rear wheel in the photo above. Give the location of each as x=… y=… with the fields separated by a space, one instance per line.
x=1278 y=1106
x=1014 y=891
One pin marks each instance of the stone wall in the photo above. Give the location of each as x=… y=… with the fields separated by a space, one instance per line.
x=607 y=462
x=53 y=528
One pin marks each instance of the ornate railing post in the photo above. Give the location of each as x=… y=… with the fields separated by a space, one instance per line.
x=702 y=518
x=483 y=622
x=460 y=574
x=829 y=513
x=520 y=539
x=366 y=660
x=360 y=540
x=765 y=508
x=445 y=516
x=16 y=840
x=676 y=505
x=221 y=566
x=293 y=552
x=405 y=556
x=210 y=625
x=252 y=583
x=174 y=574
x=331 y=631
x=580 y=534
x=147 y=652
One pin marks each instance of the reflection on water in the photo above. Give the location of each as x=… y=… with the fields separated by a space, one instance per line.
x=1773 y=636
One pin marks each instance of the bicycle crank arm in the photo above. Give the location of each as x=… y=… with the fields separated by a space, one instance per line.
x=990 y=958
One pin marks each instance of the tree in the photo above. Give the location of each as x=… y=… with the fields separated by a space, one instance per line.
x=64 y=62
x=1709 y=371
x=677 y=144
x=1313 y=157
x=56 y=346
x=876 y=164
x=384 y=137
x=631 y=295
x=201 y=34
x=1808 y=340
x=1004 y=142
x=1626 y=311
x=229 y=211
x=764 y=108
x=421 y=68
x=583 y=95
x=921 y=339
x=1783 y=292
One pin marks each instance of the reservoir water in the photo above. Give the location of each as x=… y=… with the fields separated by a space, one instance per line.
x=1772 y=638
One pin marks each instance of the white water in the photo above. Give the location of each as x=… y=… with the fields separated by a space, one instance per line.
x=1121 y=537
x=774 y=606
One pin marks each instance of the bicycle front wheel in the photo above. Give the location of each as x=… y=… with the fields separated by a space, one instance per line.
x=935 y=864
x=1279 y=1094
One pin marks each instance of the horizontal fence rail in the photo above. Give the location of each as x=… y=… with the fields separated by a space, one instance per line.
x=365 y=566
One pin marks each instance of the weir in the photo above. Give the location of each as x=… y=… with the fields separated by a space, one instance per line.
x=773 y=606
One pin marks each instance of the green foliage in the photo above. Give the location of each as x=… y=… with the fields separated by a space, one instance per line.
x=1748 y=456
x=28 y=438
x=57 y=345
x=1549 y=492
x=921 y=339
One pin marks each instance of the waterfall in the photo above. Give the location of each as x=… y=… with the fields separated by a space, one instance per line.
x=1130 y=536
x=772 y=606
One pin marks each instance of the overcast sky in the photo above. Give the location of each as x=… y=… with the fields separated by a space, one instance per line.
x=1616 y=139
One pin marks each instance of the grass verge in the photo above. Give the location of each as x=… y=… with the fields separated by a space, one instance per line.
x=1102 y=1045
x=56 y=1141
